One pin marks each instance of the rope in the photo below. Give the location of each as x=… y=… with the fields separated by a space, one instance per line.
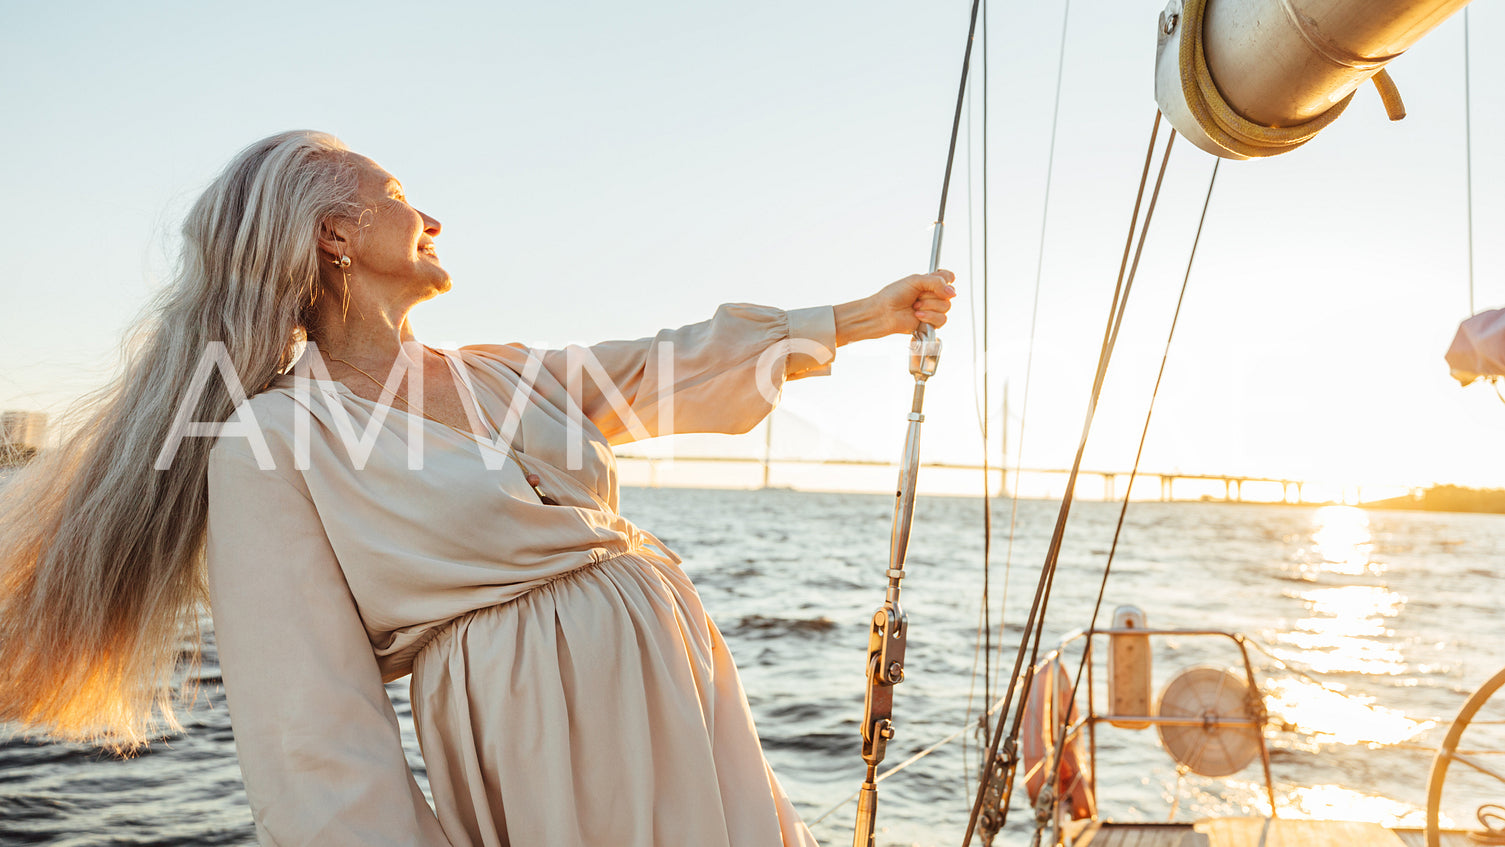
x=1492 y=817
x=1143 y=436
x=1150 y=412
x=1035 y=624
x=1181 y=771
x=1034 y=320
x=1038 y=606
x=1236 y=133
x=981 y=648
x=987 y=494
x=904 y=764
x=977 y=408
x=992 y=680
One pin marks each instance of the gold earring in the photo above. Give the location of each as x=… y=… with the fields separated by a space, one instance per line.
x=343 y=261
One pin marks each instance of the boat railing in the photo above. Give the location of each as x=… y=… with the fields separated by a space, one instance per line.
x=1255 y=716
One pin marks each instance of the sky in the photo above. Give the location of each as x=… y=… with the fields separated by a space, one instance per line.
x=605 y=169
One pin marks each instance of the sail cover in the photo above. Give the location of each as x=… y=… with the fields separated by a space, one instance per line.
x=1478 y=350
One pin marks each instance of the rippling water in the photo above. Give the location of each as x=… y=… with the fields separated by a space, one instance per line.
x=1378 y=626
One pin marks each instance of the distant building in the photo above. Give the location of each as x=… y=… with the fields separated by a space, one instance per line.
x=21 y=436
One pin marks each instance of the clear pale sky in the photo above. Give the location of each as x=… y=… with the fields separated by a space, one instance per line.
x=605 y=169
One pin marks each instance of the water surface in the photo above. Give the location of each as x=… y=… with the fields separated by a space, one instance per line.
x=1377 y=624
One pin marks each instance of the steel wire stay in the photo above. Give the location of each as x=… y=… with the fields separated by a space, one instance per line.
x=887 y=637
x=997 y=770
x=1102 y=589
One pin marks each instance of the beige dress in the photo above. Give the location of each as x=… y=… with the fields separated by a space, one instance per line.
x=568 y=688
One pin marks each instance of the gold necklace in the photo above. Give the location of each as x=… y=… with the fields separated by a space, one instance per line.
x=533 y=479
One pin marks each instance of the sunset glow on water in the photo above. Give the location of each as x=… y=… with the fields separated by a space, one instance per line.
x=1384 y=622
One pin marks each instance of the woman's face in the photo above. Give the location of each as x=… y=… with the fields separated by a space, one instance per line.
x=391 y=244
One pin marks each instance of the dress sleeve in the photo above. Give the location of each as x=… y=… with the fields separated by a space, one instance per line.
x=719 y=375
x=317 y=739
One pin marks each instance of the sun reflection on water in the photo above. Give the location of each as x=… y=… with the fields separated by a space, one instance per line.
x=1346 y=630
x=1323 y=801
x=1352 y=655
x=1342 y=543
x=1355 y=601
x=1329 y=716
x=1334 y=802
x=1346 y=625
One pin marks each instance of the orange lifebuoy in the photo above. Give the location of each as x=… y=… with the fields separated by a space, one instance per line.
x=1050 y=696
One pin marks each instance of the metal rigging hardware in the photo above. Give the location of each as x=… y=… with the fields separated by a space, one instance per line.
x=989 y=790
x=886 y=639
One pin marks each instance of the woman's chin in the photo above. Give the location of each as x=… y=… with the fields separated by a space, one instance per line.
x=440 y=283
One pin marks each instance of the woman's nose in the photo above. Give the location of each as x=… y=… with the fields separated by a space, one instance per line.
x=431 y=225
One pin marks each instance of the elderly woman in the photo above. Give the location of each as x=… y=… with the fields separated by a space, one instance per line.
x=379 y=508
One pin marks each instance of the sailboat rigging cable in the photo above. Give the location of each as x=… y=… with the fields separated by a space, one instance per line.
x=907 y=762
x=1468 y=158
x=1034 y=322
x=1062 y=732
x=991 y=681
x=887 y=637
x=1001 y=771
x=1149 y=413
x=987 y=485
x=982 y=647
x=1053 y=553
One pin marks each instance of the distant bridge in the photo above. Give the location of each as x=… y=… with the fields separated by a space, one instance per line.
x=1218 y=487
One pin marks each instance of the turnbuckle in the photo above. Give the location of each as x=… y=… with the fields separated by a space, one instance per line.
x=995 y=776
x=885 y=669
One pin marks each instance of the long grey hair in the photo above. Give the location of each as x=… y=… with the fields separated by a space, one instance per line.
x=101 y=555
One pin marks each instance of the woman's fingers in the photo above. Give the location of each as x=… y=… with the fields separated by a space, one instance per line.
x=938 y=283
x=933 y=296
x=898 y=307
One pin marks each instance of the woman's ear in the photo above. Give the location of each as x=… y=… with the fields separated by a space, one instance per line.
x=332 y=242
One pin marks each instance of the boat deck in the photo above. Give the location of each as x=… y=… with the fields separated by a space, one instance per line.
x=1254 y=832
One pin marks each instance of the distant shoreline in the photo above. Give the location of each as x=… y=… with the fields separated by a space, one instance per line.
x=1448 y=498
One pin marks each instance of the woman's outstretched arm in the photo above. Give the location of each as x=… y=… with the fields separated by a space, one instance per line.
x=723 y=374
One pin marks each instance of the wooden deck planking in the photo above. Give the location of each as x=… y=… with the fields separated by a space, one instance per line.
x=1303 y=834
x=1418 y=838
x=1261 y=832
x=1144 y=835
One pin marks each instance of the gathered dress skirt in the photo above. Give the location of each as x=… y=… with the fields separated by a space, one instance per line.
x=602 y=708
